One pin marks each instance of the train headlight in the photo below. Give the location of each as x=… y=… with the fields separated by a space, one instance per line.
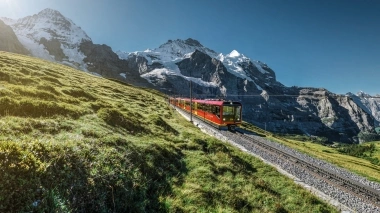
x=224 y=119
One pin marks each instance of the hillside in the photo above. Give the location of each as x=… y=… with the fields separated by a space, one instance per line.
x=73 y=142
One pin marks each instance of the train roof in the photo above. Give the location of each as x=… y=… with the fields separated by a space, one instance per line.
x=212 y=101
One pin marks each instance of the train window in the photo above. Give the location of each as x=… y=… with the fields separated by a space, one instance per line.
x=228 y=110
x=237 y=112
x=217 y=110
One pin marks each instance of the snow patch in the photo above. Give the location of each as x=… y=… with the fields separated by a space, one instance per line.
x=123 y=75
x=259 y=67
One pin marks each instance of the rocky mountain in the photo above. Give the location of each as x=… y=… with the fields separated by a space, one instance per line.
x=214 y=74
x=371 y=104
x=51 y=36
x=169 y=68
x=9 y=41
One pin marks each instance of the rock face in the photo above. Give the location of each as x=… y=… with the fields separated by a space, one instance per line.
x=9 y=41
x=370 y=104
x=102 y=60
x=311 y=111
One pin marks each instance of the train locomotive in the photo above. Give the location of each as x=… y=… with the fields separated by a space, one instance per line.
x=219 y=113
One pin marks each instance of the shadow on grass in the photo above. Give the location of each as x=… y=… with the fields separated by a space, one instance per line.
x=83 y=178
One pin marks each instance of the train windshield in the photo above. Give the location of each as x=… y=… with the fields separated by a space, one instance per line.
x=232 y=112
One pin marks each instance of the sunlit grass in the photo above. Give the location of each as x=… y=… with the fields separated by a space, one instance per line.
x=73 y=142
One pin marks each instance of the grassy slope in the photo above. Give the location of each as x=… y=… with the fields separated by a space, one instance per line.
x=357 y=165
x=72 y=142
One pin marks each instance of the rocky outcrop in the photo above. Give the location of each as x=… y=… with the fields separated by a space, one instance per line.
x=201 y=66
x=370 y=104
x=136 y=62
x=310 y=111
x=102 y=60
x=9 y=41
x=53 y=46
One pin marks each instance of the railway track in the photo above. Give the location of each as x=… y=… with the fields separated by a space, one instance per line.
x=351 y=186
x=362 y=192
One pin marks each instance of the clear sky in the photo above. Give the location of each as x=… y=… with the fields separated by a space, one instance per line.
x=333 y=44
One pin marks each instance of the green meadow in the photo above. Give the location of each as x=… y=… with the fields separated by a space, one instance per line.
x=74 y=142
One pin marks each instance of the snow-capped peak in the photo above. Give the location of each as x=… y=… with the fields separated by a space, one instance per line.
x=49 y=12
x=233 y=54
x=362 y=94
x=173 y=51
x=38 y=31
x=50 y=23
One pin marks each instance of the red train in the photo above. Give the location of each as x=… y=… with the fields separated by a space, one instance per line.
x=219 y=113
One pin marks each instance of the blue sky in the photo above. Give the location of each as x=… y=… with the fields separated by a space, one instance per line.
x=333 y=44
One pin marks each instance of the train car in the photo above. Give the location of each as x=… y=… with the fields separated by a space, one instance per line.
x=219 y=113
